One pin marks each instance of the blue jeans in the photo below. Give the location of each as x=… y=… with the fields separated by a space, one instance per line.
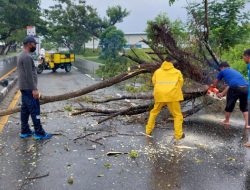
x=30 y=107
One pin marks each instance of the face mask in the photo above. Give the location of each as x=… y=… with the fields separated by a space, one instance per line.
x=33 y=49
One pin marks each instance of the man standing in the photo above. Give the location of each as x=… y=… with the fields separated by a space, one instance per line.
x=27 y=78
x=246 y=58
x=168 y=83
x=237 y=90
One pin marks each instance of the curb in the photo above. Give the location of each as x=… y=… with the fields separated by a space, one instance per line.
x=86 y=67
x=4 y=92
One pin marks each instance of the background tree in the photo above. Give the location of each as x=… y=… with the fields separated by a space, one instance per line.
x=171 y=2
x=15 y=15
x=112 y=41
x=116 y=15
x=72 y=23
x=228 y=22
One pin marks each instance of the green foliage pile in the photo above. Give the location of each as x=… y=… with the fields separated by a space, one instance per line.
x=112 y=67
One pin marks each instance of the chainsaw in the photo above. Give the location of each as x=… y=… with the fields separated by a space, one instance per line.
x=213 y=92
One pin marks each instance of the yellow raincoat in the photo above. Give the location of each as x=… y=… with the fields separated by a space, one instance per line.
x=168 y=83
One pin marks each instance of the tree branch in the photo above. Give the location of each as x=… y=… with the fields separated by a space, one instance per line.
x=97 y=86
x=158 y=53
x=135 y=59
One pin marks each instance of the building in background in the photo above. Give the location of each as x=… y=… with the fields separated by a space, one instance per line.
x=133 y=41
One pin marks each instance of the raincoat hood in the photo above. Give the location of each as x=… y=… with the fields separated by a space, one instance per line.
x=167 y=65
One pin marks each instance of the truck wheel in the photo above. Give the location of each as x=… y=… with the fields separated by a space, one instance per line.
x=68 y=68
x=39 y=69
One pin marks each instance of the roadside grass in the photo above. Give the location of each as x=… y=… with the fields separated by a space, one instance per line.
x=92 y=58
x=91 y=53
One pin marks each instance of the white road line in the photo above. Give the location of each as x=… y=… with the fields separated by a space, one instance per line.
x=85 y=74
x=90 y=76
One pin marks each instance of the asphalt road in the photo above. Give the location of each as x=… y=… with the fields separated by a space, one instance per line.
x=209 y=158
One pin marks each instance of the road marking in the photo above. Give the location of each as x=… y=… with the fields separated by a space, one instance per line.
x=8 y=74
x=90 y=76
x=75 y=68
x=4 y=119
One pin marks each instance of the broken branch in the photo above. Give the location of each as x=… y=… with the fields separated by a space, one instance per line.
x=97 y=86
x=38 y=177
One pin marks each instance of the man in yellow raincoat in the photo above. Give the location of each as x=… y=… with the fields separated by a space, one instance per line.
x=168 y=82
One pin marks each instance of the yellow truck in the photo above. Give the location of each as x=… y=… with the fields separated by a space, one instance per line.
x=54 y=61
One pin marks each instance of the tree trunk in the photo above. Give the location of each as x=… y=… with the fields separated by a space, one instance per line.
x=66 y=96
x=2 y=50
x=206 y=24
x=107 y=83
x=7 y=49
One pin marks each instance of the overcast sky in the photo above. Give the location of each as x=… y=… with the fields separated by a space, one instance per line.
x=140 y=11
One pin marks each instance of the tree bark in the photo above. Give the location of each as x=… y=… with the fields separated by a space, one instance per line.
x=135 y=110
x=7 y=49
x=97 y=86
x=136 y=97
x=206 y=24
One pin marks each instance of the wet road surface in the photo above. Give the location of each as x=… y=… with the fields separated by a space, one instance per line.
x=209 y=158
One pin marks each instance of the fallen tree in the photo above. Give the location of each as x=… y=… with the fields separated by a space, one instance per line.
x=191 y=66
x=104 y=84
x=49 y=99
x=133 y=110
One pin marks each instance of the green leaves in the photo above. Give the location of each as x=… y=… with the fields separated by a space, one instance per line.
x=171 y=2
x=233 y=56
x=177 y=28
x=73 y=24
x=15 y=15
x=133 y=154
x=228 y=21
x=107 y=165
x=112 y=41
x=116 y=14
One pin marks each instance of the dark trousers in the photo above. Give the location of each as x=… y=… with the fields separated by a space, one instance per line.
x=30 y=107
x=234 y=94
